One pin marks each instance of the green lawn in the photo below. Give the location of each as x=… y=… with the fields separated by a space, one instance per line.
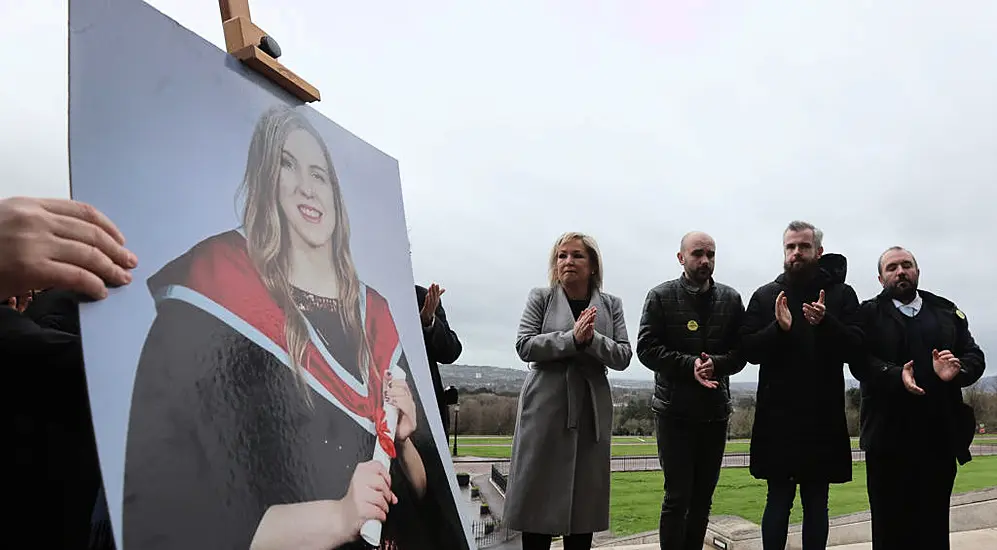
x=636 y=496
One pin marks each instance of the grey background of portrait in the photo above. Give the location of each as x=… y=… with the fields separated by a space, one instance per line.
x=160 y=123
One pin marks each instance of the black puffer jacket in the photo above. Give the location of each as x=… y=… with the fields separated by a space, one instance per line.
x=800 y=432
x=677 y=325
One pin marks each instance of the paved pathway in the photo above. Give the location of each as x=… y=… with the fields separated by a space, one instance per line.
x=984 y=539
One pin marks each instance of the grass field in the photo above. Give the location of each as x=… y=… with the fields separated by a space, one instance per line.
x=636 y=496
x=501 y=446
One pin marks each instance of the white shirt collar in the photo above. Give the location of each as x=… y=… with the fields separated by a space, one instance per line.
x=911 y=309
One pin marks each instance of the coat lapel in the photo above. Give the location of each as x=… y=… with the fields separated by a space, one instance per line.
x=558 y=315
x=603 y=317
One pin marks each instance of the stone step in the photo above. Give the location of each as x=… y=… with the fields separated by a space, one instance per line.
x=982 y=539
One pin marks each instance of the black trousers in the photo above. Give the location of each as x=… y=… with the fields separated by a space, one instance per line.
x=691 y=454
x=779 y=505
x=535 y=541
x=909 y=497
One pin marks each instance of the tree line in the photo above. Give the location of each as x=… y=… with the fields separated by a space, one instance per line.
x=483 y=412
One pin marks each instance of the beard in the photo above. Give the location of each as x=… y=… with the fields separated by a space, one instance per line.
x=902 y=289
x=800 y=270
x=700 y=275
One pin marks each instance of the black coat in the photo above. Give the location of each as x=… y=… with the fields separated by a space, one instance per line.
x=893 y=419
x=673 y=334
x=800 y=432
x=442 y=346
x=55 y=478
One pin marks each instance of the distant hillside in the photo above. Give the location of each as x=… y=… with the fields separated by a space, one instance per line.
x=473 y=377
x=507 y=380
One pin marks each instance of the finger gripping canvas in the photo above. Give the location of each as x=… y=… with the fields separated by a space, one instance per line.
x=262 y=383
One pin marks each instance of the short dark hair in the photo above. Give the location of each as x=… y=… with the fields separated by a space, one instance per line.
x=879 y=265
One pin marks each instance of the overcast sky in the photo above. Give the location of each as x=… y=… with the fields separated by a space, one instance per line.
x=633 y=121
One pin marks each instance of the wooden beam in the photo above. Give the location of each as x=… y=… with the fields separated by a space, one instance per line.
x=269 y=67
x=242 y=40
x=234 y=8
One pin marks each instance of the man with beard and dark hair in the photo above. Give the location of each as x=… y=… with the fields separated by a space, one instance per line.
x=800 y=329
x=689 y=336
x=918 y=355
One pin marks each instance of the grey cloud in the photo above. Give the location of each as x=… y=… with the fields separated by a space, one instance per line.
x=513 y=124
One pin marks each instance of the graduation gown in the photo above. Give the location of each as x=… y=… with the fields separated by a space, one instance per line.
x=219 y=428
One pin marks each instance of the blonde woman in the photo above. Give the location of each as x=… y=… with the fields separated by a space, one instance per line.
x=570 y=333
x=261 y=390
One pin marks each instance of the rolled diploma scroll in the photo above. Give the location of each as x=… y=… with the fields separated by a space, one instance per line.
x=371 y=529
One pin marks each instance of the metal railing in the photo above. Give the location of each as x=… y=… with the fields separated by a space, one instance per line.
x=500 y=475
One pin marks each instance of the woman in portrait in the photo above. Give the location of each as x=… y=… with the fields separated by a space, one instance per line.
x=570 y=333
x=261 y=389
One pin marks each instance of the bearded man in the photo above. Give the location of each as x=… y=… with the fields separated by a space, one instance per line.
x=689 y=337
x=800 y=329
x=918 y=355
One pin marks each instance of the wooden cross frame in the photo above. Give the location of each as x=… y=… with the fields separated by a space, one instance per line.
x=259 y=51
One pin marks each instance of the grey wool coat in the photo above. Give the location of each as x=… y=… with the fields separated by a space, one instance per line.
x=559 y=474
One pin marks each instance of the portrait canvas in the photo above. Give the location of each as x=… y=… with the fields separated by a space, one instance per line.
x=265 y=368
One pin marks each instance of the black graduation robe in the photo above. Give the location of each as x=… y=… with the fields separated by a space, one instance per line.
x=219 y=430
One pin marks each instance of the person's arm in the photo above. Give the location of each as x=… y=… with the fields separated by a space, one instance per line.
x=614 y=352
x=533 y=346
x=969 y=354
x=761 y=335
x=868 y=368
x=21 y=335
x=732 y=362
x=411 y=410
x=57 y=309
x=843 y=331
x=315 y=525
x=412 y=465
x=441 y=341
x=652 y=350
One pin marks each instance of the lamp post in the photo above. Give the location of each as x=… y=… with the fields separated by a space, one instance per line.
x=456 y=417
x=728 y=423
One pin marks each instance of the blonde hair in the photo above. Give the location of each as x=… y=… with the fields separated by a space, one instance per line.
x=268 y=243
x=595 y=258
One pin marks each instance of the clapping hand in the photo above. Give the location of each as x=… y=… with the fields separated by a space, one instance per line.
x=782 y=313
x=814 y=311
x=703 y=371
x=585 y=326
x=429 y=305
x=908 y=378
x=947 y=365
